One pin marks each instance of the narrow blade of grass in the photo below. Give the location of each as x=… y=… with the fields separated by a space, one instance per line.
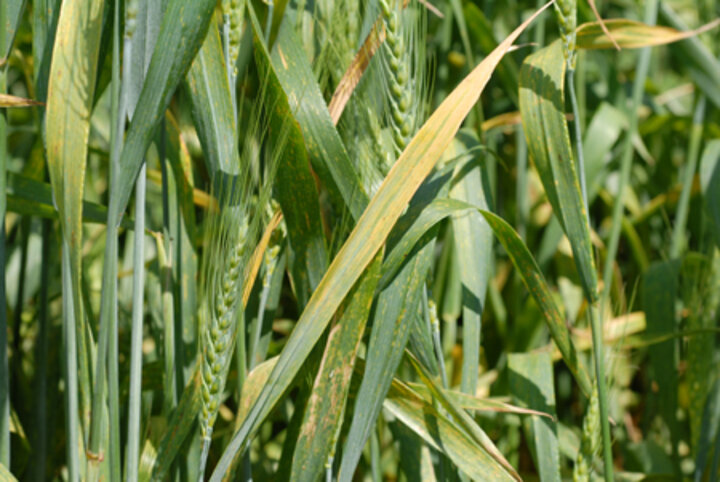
x=473 y=245
x=710 y=435
x=4 y=371
x=212 y=106
x=369 y=234
x=532 y=384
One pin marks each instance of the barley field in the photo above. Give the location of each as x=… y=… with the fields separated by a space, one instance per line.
x=359 y=240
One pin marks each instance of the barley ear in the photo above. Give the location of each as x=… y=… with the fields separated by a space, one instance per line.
x=566 y=13
x=589 y=440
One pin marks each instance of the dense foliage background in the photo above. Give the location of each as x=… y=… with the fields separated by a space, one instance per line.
x=374 y=247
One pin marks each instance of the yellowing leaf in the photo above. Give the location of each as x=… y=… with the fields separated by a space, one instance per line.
x=630 y=34
x=13 y=101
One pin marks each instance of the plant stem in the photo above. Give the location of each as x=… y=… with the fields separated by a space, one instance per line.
x=118 y=122
x=106 y=358
x=599 y=358
x=43 y=342
x=578 y=138
x=595 y=322
x=4 y=372
x=71 y=382
x=678 y=236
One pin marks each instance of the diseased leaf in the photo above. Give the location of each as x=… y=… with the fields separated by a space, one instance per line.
x=67 y=120
x=367 y=237
x=542 y=105
x=326 y=407
x=298 y=196
x=326 y=151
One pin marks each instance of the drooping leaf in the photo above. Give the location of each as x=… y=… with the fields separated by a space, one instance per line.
x=542 y=105
x=538 y=288
x=464 y=421
x=443 y=434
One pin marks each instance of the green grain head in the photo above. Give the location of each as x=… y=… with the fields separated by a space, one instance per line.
x=566 y=14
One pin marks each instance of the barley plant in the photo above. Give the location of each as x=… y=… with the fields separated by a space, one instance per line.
x=359 y=240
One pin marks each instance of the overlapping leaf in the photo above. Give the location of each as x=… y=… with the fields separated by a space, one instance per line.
x=369 y=234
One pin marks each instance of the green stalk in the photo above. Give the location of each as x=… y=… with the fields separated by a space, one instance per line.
x=4 y=373
x=132 y=451
x=71 y=382
x=118 y=117
x=651 y=11
x=596 y=322
x=433 y=323
x=174 y=380
x=599 y=356
x=41 y=349
x=106 y=358
x=578 y=137
x=678 y=236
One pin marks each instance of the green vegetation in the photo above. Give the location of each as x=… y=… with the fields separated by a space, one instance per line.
x=359 y=240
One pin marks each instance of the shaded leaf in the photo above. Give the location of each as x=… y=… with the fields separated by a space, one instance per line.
x=710 y=182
